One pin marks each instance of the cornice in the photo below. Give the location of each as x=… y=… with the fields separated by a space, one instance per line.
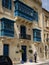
x=38 y=2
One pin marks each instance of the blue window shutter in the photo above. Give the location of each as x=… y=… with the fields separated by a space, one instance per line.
x=3 y=2
x=7 y=4
x=0 y=28
x=6 y=50
x=10 y=4
x=2 y=25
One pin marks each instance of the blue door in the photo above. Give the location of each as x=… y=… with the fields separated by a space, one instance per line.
x=24 y=56
x=6 y=50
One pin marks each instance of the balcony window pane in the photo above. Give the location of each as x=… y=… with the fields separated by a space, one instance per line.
x=36 y=35
x=7 y=4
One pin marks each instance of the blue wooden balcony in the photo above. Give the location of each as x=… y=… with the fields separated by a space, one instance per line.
x=36 y=35
x=25 y=11
x=7 y=27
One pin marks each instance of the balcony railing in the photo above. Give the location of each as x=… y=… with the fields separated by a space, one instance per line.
x=24 y=36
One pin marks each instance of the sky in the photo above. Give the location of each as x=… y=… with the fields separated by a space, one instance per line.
x=45 y=4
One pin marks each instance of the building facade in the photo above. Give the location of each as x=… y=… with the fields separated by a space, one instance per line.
x=22 y=30
x=46 y=33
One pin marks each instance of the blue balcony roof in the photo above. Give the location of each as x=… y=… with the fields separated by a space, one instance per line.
x=36 y=29
x=23 y=4
x=9 y=20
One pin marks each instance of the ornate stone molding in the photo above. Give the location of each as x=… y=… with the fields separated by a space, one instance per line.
x=38 y=1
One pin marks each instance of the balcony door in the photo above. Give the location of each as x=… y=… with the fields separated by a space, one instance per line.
x=6 y=49
x=23 y=31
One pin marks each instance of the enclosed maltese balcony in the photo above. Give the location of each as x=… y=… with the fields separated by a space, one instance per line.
x=6 y=27
x=24 y=11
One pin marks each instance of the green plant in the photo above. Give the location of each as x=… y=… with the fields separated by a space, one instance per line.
x=22 y=51
x=30 y=51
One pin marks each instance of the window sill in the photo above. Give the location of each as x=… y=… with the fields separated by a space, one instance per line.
x=37 y=42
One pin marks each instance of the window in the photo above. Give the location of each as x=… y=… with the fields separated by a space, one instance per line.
x=36 y=35
x=6 y=50
x=40 y=50
x=47 y=38
x=45 y=48
x=35 y=15
x=7 y=4
x=44 y=38
x=22 y=29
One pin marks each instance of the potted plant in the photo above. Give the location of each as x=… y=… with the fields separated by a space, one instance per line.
x=30 y=51
x=31 y=59
x=22 y=51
